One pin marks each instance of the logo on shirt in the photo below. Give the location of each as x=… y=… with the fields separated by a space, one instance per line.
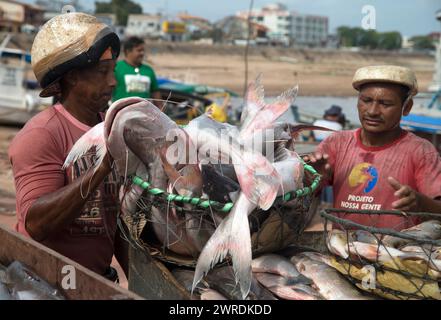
x=137 y=83
x=363 y=174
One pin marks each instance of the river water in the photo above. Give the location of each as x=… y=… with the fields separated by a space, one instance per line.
x=316 y=105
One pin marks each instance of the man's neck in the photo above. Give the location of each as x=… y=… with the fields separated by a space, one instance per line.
x=380 y=139
x=81 y=113
x=132 y=63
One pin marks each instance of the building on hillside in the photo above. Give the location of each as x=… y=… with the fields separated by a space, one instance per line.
x=196 y=27
x=173 y=31
x=154 y=27
x=291 y=28
x=144 y=25
x=16 y=16
x=234 y=29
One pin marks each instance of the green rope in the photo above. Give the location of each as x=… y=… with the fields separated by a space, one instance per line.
x=225 y=207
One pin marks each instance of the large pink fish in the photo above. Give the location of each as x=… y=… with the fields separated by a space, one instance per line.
x=134 y=132
x=232 y=236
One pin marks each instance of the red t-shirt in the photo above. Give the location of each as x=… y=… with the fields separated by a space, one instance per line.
x=37 y=154
x=360 y=174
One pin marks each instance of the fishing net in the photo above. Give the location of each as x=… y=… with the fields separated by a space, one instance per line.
x=400 y=263
x=271 y=230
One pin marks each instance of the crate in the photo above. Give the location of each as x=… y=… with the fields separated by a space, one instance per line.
x=48 y=265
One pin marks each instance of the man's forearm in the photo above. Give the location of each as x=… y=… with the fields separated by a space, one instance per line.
x=427 y=204
x=53 y=211
x=156 y=96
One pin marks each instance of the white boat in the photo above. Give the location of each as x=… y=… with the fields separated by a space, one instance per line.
x=19 y=96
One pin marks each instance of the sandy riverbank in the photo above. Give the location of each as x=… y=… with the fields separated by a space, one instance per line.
x=318 y=73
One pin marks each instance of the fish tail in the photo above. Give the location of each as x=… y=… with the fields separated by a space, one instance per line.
x=231 y=237
x=92 y=138
x=258 y=178
x=271 y=112
x=254 y=101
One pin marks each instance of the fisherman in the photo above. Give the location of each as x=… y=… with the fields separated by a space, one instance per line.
x=134 y=78
x=381 y=166
x=72 y=211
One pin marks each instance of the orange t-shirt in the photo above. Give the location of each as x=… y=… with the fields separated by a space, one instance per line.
x=360 y=174
x=37 y=154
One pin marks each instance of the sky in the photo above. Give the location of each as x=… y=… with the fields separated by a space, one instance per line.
x=410 y=17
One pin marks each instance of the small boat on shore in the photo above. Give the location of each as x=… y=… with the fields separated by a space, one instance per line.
x=19 y=92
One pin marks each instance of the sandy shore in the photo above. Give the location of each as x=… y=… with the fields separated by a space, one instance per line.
x=317 y=73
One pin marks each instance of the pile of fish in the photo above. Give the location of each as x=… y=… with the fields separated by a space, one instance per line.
x=399 y=268
x=306 y=276
x=18 y=282
x=257 y=164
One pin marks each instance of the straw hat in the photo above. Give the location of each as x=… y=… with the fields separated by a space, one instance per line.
x=69 y=41
x=390 y=74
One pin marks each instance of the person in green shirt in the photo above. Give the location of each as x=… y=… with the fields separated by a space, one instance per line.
x=135 y=79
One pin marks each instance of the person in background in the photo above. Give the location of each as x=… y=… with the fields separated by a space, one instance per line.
x=134 y=78
x=333 y=119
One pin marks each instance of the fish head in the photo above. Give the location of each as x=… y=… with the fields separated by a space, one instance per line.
x=337 y=242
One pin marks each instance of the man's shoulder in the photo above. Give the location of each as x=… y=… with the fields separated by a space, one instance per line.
x=415 y=142
x=337 y=141
x=121 y=66
x=120 y=63
x=341 y=136
x=147 y=67
x=46 y=122
x=46 y=119
x=41 y=127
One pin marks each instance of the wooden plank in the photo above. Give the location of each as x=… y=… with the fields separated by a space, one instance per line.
x=151 y=279
x=48 y=264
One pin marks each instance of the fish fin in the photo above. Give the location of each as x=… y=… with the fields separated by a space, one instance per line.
x=258 y=178
x=232 y=237
x=269 y=112
x=254 y=101
x=300 y=279
x=92 y=138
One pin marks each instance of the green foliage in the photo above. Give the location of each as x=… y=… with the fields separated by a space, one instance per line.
x=121 y=8
x=390 y=40
x=422 y=42
x=369 y=39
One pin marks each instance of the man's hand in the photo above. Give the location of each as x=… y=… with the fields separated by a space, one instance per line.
x=408 y=199
x=320 y=163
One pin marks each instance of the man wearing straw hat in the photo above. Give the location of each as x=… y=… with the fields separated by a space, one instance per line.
x=381 y=166
x=72 y=211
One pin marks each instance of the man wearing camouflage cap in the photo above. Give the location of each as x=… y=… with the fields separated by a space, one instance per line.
x=381 y=166
x=72 y=211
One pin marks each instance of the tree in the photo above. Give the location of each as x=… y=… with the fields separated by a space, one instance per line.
x=422 y=43
x=346 y=36
x=390 y=41
x=121 y=8
x=369 y=39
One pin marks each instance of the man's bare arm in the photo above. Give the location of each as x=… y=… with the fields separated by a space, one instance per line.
x=58 y=209
x=411 y=200
x=156 y=96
